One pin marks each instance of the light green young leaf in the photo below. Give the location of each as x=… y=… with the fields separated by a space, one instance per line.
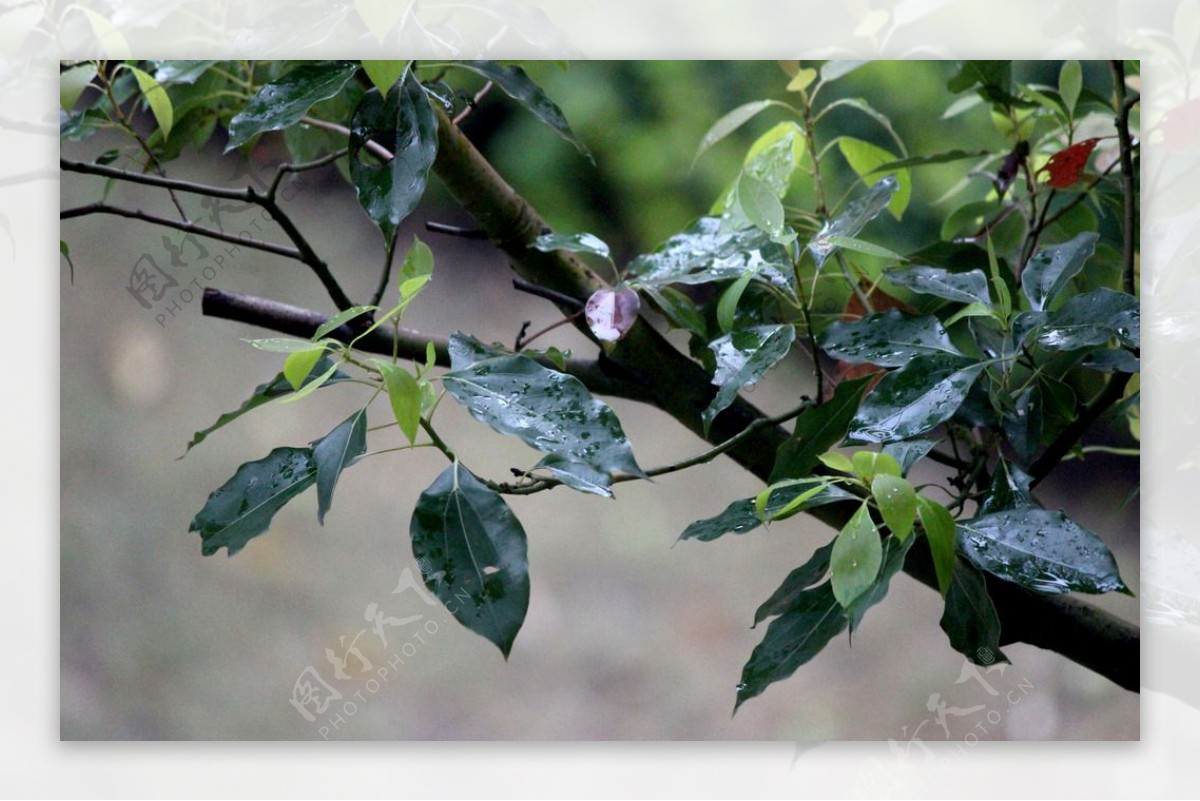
x=869 y=464
x=308 y=388
x=760 y=205
x=384 y=73
x=1070 y=84
x=897 y=503
x=340 y=319
x=865 y=158
x=156 y=98
x=731 y=122
x=404 y=392
x=836 y=460
x=727 y=305
x=856 y=558
x=300 y=363
x=939 y=530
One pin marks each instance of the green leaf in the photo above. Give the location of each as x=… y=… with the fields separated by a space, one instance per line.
x=731 y=122
x=62 y=248
x=299 y=364
x=916 y=398
x=576 y=475
x=795 y=584
x=897 y=503
x=405 y=122
x=517 y=85
x=888 y=339
x=862 y=246
x=404 y=393
x=281 y=345
x=282 y=102
x=477 y=553
x=550 y=411
x=727 y=305
x=981 y=73
x=792 y=639
x=894 y=552
x=384 y=73
x=810 y=488
x=311 y=386
x=1092 y=319
x=817 y=430
x=760 y=205
x=776 y=155
x=835 y=460
x=71 y=84
x=853 y=218
x=974 y=310
x=415 y=272
x=1053 y=267
x=466 y=350
x=742 y=357
x=1003 y=297
x=940 y=532
x=1070 y=83
x=965 y=287
x=1023 y=424
x=934 y=158
x=679 y=309
x=1040 y=550
x=156 y=98
x=573 y=243
x=334 y=452
x=242 y=507
x=970 y=619
x=742 y=516
x=909 y=452
x=802 y=79
x=838 y=68
x=856 y=558
x=866 y=159
x=868 y=464
x=263 y=394
x=180 y=72
x=338 y=320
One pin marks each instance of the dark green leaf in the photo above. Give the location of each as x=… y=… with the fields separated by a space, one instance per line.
x=1040 y=550
x=857 y=555
x=265 y=393
x=965 y=287
x=405 y=124
x=939 y=529
x=517 y=85
x=577 y=475
x=742 y=358
x=1053 y=267
x=792 y=639
x=853 y=218
x=894 y=551
x=914 y=399
x=465 y=350
x=981 y=73
x=817 y=430
x=1092 y=319
x=476 y=549
x=678 y=309
x=740 y=516
x=550 y=411
x=242 y=507
x=909 y=452
x=970 y=619
x=1009 y=489
x=573 y=243
x=795 y=584
x=1023 y=425
x=173 y=72
x=1116 y=360
x=282 y=102
x=334 y=452
x=888 y=339
x=897 y=503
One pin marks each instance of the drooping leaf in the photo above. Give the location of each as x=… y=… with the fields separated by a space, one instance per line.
x=934 y=158
x=939 y=529
x=334 y=452
x=909 y=452
x=1052 y=268
x=792 y=639
x=731 y=122
x=611 y=313
x=866 y=159
x=573 y=243
x=853 y=218
x=299 y=364
x=970 y=619
x=465 y=350
x=157 y=98
x=856 y=557
x=887 y=339
x=897 y=503
x=965 y=287
x=404 y=393
x=799 y=580
x=242 y=507
x=338 y=320
x=404 y=123
x=282 y=102
x=1041 y=550
x=741 y=516
x=1065 y=167
x=742 y=358
x=550 y=411
x=1092 y=319
x=1023 y=425
x=263 y=394
x=520 y=87
x=914 y=399
x=476 y=549
x=728 y=303
x=577 y=475
x=894 y=551
x=817 y=430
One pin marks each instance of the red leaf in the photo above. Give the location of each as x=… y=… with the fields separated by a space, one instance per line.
x=1067 y=165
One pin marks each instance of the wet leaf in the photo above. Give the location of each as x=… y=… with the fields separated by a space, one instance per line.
x=909 y=452
x=970 y=619
x=1091 y=320
x=1066 y=166
x=282 y=102
x=775 y=156
x=897 y=503
x=1041 y=550
x=334 y=452
x=742 y=357
x=679 y=309
x=795 y=584
x=760 y=205
x=887 y=339
x=853 y=218
x=1023 y=425
x=856 y=558
x=404 y=123
x=384 y=73
x=1009 y=489
x=242 y=507
x=465 y=350
x=939 y=529
x=338 y=320
x=573 y=243
x=916 y=398
x=866 y=159
x=727 y=305
x=894 y=551
x=817 y=430
x=1053 y=267
x=741 y=516
x=577 y=475
x=731 y=122
x=966 y=287
x=477 y=552
x=404 y=393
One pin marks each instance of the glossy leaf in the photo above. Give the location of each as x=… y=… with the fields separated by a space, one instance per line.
x=731 y=122
x=776 y=155
x=835 y=460
x=334 y=452
x=577 y=475
x=897 y=503
x=242 y=507
x=515 y=83
x=795 y=584
x=678 y=309
x=404 y=393
x=465 y=350
x=573 y=243
x=792 y=639
x=282 y=102
x=914 y=399
x=156 y=98
x=965 y=287
x=727 y=305
x=338 y=320
x=853 y=218
x=298 y=365
x=180 y=72
x=894 y=552
x=861 y=246
x=1009 y=489
x=970 y=619
x=939 y=529
x=384 y=73
x=869 y=464
x=866 y=159
x=1040 y=550
x=477 y=553
x=742 y=358
x=909 y=452
x=856 y=557
x=1023 y=424
x=887 y=339
x=1092 y=319
x=1112 y=360
x=1052 y=268
x=760 y=205
x=263 y=394
x=817 y=430
x=810 y=488
x=741 y=516
x=550 y=411
x=405 y=124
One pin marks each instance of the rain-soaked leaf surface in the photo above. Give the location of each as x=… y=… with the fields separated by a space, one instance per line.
x=740 y=516
x=853 y=218
x=334 y=452
x=817 y=430
x=857 y=555
x=940 y=533
x=1053 y=267
x=894 y=551
x=573 y=243
x=242 y=507
x=1009 y=489
x=970 y=619
x=799 y=580
x=888 y=339
x=1041 y=550
x=897 y=503
x=282 y=102
x=909 y=452
x=1091 y=320
x=966 y=287
x=465 y=350
x=477 y=553
x=914 y=399
x=742 y=357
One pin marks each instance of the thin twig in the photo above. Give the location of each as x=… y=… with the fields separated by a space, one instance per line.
x=475 y=101
x=455 y=230
x=522 y=285
x=371 y=145
x=1125 y=104
x=284 y=169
